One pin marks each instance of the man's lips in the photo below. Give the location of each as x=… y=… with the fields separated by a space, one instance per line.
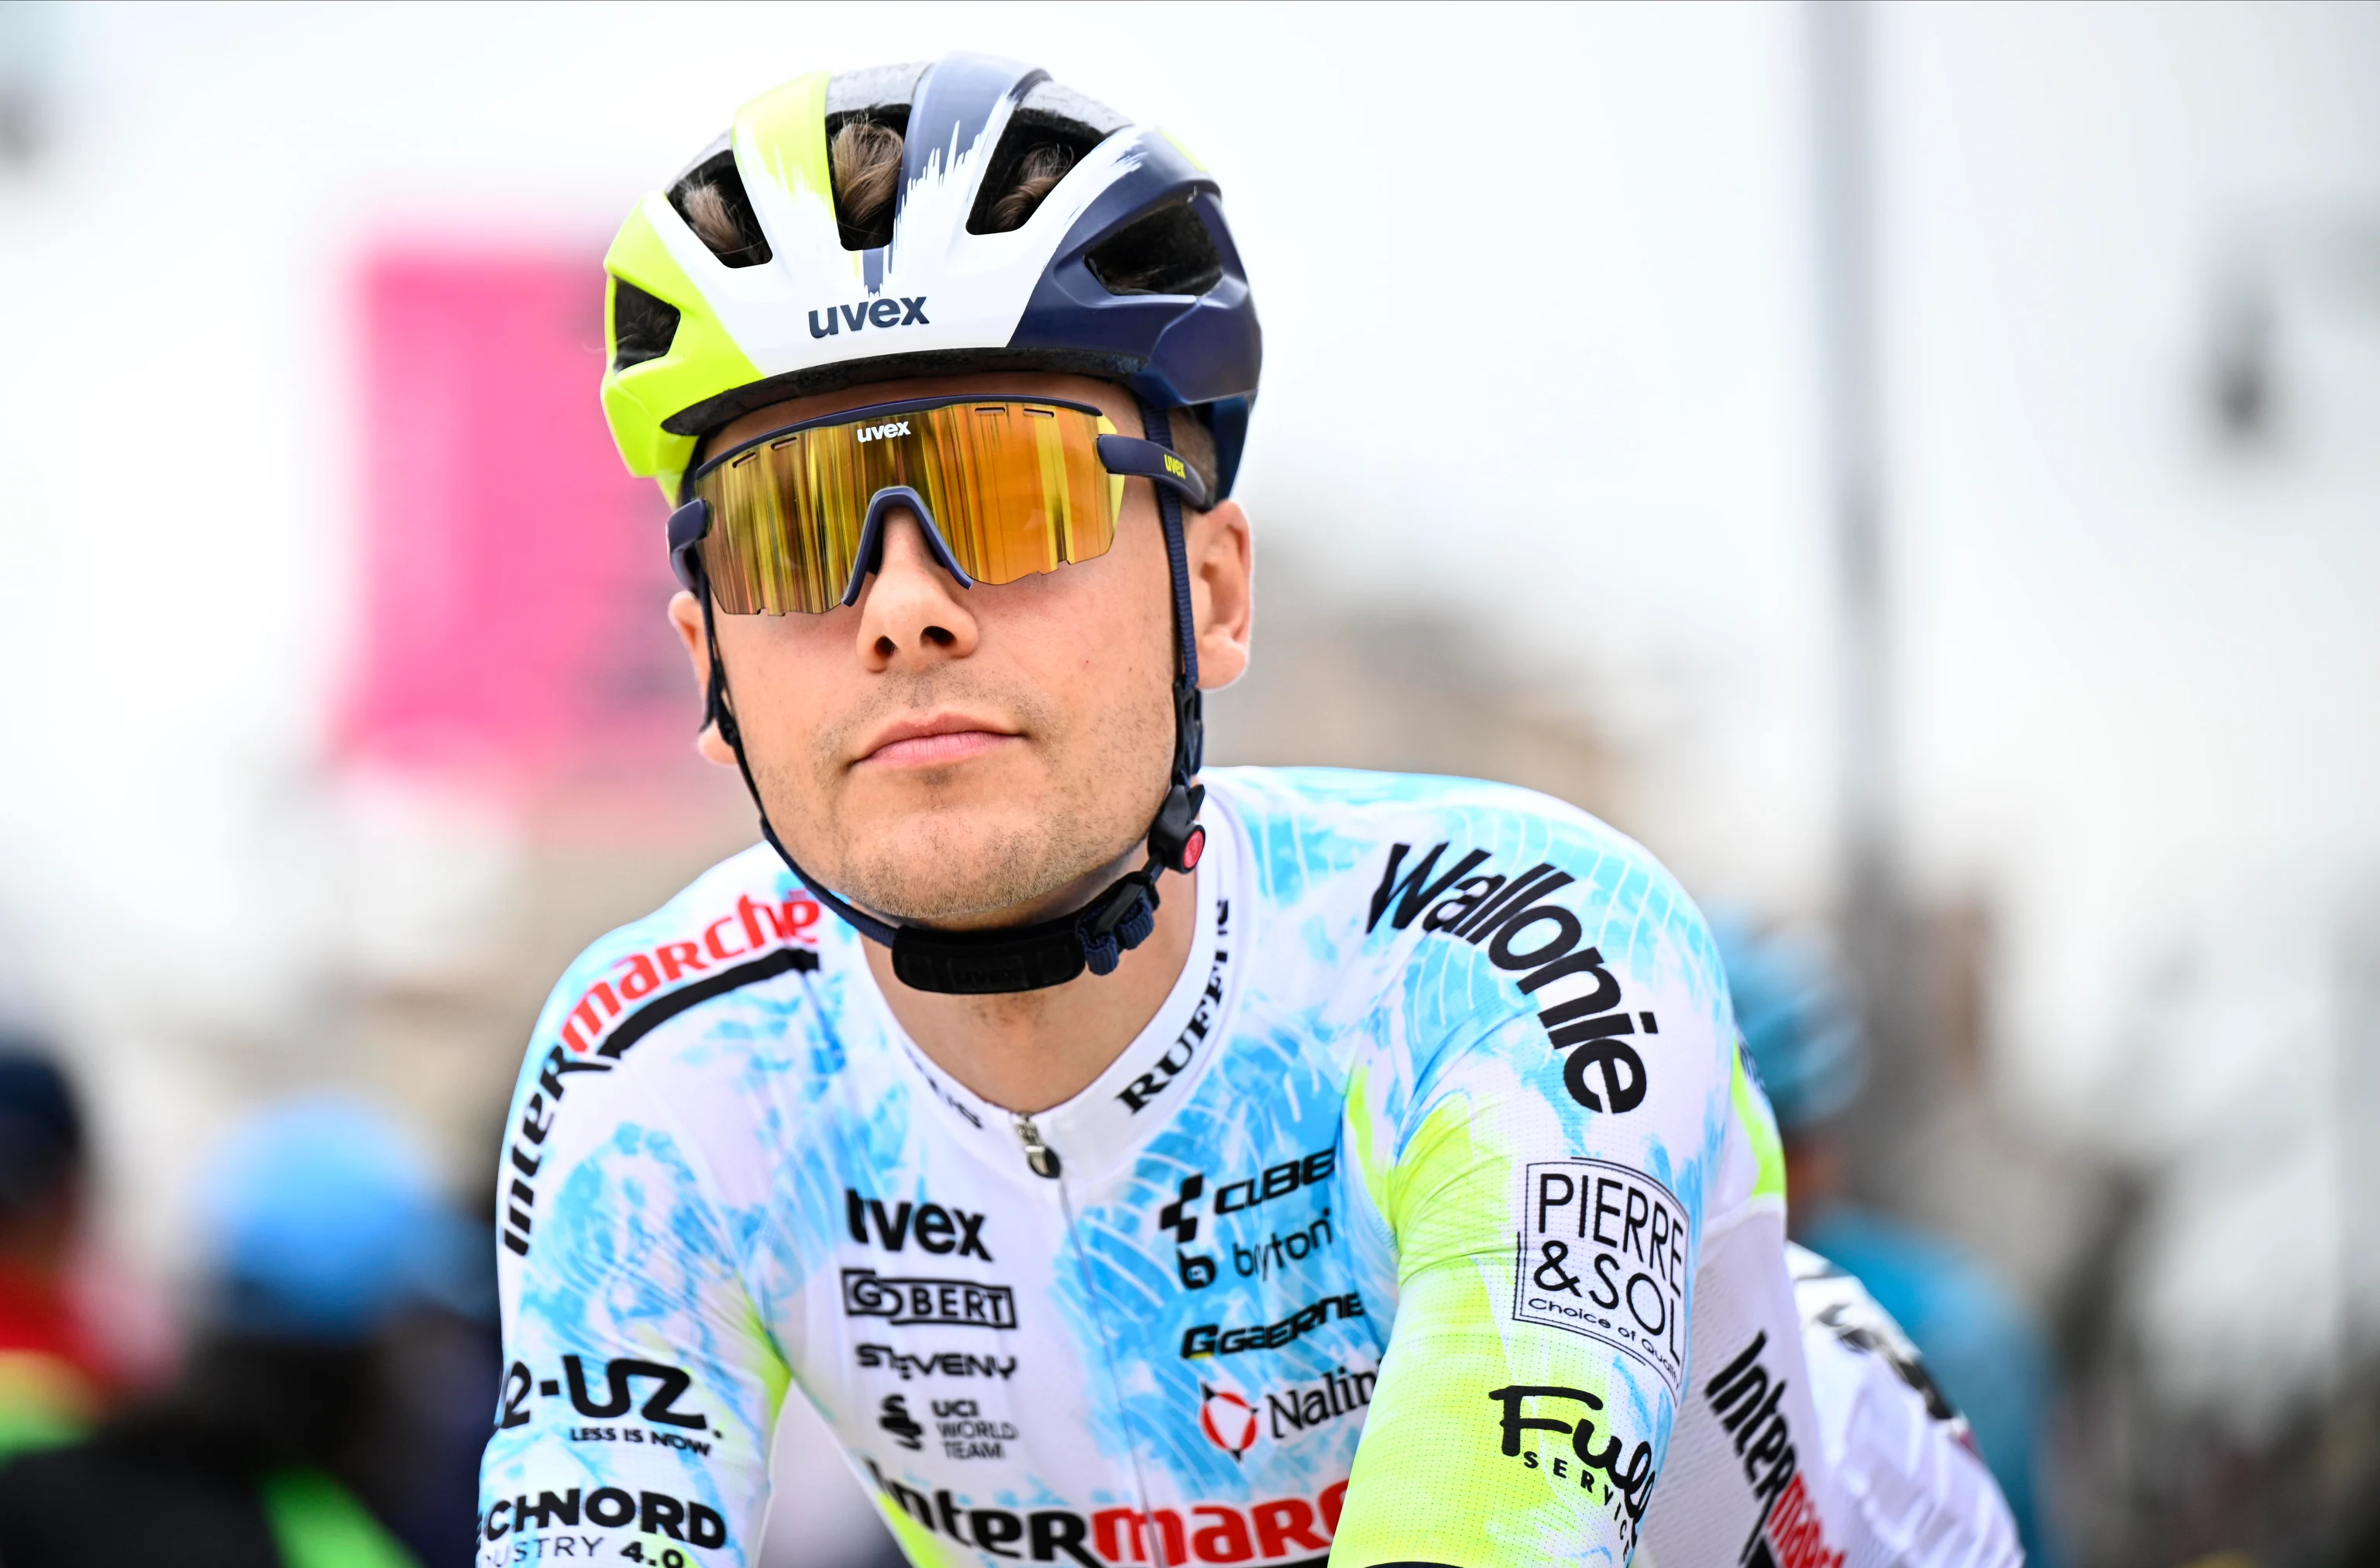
x=932 y=740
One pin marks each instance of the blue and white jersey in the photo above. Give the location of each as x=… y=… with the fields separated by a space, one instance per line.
x=1431 y=1220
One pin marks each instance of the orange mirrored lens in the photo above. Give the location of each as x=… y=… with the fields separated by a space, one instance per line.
x=1016 y=488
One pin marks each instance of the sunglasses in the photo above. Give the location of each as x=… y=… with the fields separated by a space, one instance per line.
x=792 y=521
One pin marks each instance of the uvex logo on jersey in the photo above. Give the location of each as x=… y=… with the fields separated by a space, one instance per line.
x=1540 y=940
x=1180 y=1216
x=1602 y=1252
x=1749 y=1400
x=1184 y=1049
x=775 y=940
x=879 y=313
x=1281 y=1529
x=960 y=1304
x=1625 y=1487
x=938 y=1229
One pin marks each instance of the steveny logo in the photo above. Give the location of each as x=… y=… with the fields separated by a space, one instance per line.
x=1229 y=1421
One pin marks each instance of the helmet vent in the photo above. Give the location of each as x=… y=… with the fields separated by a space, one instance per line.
x=1035 y=151
x=642 y=327
x=712 y=202
x=864 y=162
x=1167 y=252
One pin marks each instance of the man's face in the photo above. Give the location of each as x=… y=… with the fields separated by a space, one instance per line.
x=975 y=756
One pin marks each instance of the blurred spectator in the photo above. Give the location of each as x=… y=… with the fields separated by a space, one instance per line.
x=1982 y=1347
x=51 y=1378
x=294 y=1438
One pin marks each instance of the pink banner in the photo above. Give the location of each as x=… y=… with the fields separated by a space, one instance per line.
x=512 y=574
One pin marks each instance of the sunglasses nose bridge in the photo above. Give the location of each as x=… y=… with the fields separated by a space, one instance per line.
x=869 y=558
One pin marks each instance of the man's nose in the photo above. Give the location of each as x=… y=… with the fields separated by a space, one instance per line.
x=912 y=611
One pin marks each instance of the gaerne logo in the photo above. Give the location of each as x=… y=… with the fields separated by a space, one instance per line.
x=1285 y=1529
x=883 y=431
x=1787 y=1532
x=1185 y=1049
x=1602 y=1252
x=1603 y=1072
x=1213 y=1339
x=877 y=313
x=955 y=1302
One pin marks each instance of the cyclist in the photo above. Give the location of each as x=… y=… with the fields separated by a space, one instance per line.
x=1132 y=1165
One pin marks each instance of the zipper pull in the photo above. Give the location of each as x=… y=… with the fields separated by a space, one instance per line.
x=1039 y=1156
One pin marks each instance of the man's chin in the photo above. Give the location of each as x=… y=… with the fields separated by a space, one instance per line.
x=963 y=869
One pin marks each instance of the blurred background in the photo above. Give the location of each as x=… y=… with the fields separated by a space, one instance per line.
x=1917 y=468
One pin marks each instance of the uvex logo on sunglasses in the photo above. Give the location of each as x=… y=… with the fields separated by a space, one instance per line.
x=870 y=313
x=884 y=432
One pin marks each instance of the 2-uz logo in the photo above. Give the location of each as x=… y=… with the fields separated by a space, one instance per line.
x=1604 y=1073
x=877 y=313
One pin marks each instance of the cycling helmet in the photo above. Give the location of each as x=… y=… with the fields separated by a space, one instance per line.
x=746 y=284
x=1797 y=1020
x=1125 y=270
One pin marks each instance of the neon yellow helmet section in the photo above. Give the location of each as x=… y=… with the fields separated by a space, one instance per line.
x=703 y=359
x=783 y=131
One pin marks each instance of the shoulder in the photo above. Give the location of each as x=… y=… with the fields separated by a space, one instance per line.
x=744 y=923
x=671 y=1039
x=1523 y=879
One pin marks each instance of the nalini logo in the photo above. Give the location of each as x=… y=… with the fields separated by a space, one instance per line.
x=884 y=431
x=1229 y=1421
x=879 y=313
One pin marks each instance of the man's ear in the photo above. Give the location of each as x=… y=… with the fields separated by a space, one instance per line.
x=686 y=619
x=1222 y=591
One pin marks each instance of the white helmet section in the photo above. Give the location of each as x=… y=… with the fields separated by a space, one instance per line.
x=936 y=287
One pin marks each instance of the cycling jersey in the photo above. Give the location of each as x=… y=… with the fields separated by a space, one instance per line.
x=1433 y=1218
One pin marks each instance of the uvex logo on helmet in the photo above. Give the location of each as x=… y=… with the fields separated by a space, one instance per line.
x=884 y=431
x=870 y=313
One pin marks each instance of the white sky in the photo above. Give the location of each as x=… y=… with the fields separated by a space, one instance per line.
x=1536 y=290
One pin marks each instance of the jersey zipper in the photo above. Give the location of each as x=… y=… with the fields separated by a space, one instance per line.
x=1040 y=1158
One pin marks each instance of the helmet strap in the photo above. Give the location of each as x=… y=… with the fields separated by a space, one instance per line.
x=1048 y=953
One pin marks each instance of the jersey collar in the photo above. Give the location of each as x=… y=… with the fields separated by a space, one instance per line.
x=1156 y=1074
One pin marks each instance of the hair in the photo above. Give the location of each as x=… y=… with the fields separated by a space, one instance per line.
x=1167 y=251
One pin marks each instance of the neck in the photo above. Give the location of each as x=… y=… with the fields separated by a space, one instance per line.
x=1029 y=1050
